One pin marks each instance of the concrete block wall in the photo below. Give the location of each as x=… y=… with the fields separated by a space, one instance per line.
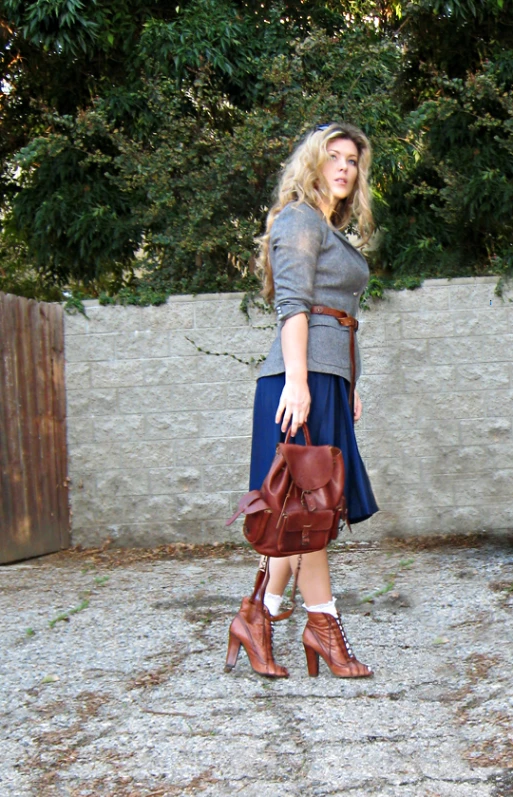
x=438 y=398
x=159 y=431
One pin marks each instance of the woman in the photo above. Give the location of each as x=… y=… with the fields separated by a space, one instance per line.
x=309 y=375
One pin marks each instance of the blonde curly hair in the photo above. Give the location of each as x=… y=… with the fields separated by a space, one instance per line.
x=302 y=181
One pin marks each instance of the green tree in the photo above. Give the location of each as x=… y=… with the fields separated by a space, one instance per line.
x=158 y=129
x=207 y=188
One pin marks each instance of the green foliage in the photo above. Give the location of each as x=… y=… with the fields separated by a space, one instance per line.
x=252 y=298
x=204 y=32
x=19 y=277
x=75 y=304
x=142 y=295
x=452 y=203
x=63 y=25
x=141 y=142
x=73 y=223
x=206 y=189
x=377 y=286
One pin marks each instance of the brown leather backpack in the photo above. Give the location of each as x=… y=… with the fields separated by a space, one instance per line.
x=301 y=502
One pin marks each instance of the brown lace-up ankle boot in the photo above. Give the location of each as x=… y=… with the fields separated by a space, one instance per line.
x=324 y=636
x=252 y=628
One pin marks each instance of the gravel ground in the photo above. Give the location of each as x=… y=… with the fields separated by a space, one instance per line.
x=112 y=678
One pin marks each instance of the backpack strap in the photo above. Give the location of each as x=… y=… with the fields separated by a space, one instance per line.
x=306 y=432
x=249 y=504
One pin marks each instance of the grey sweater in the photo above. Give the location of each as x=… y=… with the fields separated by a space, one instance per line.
x=314 y=264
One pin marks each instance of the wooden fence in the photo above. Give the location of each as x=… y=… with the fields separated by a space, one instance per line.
x=34 y=514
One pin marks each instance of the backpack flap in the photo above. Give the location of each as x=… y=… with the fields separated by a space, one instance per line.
x=310 y=467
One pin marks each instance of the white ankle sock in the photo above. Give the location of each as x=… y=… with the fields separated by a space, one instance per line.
x=327 y=608
x=272 y=602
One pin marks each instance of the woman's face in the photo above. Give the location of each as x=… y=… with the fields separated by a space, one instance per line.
x=341 y=169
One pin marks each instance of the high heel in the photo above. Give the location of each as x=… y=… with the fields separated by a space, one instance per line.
x=312 y=661
x=233 y=652
x=324 y=636
x=252 y=628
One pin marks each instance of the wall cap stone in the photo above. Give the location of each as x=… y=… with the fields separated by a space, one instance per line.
x=442 y=282
x=178 y=298
x=205 y=297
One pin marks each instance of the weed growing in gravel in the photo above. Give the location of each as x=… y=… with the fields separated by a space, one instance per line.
x=84 y=596
x=64 y=617
x=389 y=586
x=404 y=564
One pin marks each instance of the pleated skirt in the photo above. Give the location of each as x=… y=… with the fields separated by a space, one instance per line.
x=330 y=423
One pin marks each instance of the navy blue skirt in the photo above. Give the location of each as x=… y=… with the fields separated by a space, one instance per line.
x=330 y=423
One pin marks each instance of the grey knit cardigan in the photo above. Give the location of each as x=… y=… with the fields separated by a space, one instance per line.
x=314 y=264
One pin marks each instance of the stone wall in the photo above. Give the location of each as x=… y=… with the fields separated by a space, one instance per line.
x=159 y=431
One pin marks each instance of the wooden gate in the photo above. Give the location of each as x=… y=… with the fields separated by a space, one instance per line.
x=34 y=513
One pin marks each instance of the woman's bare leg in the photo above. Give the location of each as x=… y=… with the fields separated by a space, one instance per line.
x=279 y=574
x=314 y=576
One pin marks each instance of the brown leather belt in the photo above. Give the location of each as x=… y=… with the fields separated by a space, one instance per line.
x=345 y=320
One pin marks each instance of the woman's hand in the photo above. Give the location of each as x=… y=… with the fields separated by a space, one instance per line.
x=358 y=408
x=294 y=404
